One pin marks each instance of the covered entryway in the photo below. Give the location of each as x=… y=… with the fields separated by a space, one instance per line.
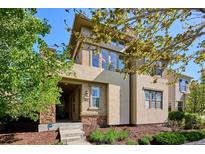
x=69 y=109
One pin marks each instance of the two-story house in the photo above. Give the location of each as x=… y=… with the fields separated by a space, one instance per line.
x=178 y=92
x=98 y=94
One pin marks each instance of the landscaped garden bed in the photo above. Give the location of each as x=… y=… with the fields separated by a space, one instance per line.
x=180 y=128
x=30 y=138
x=134 y=133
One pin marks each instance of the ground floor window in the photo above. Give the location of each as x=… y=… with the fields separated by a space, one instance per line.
x=95 y=94
x=180 y=106
x=153 y=99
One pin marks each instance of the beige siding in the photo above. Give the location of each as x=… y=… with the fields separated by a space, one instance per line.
x=97 y=75
x=113 y=104
x=133 y=100
x=148 y=116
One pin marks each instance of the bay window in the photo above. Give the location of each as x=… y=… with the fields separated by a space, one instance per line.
x=113 y=61
x=95 y=59
x=107 y=60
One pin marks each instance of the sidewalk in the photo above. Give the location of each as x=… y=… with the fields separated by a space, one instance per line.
x=201 y=142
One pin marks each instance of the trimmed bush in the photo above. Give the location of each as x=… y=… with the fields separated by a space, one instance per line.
x=192 y=121
x=168 y=138
x=144 y=140
x=176 y=115
x=193 y=136
x=97 y=136
x=131 y=142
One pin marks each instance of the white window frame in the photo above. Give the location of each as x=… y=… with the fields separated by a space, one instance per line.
x=181 y=86
x=91 y=98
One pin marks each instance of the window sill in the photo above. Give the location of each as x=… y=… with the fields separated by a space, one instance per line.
x=93 y=108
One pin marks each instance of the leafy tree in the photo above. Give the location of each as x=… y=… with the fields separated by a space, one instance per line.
x=147 y=34
x=28 y=78
x=195 y=102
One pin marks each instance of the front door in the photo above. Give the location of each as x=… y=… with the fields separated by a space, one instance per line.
x=69 y=109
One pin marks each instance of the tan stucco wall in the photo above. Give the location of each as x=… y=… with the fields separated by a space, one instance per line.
x=96 y=76
x=174 y=93
x=143 y=115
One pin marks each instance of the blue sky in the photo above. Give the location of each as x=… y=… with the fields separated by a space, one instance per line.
x=59 y=34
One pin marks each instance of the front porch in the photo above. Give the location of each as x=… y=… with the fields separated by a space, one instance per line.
x=75 y=107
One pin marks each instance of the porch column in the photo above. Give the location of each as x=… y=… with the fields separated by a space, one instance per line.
x=49 y=116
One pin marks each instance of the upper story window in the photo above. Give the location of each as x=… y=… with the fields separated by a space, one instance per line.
x=107 y=60
x=95 y=95
x=119 y=44
x=113 y=61
x=153 y=99
x=121 y=64
x=183 y=85
x=95 y=59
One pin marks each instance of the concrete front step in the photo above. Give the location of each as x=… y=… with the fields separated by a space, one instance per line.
x=71 y=132
x=71 y=127
x=67 y=140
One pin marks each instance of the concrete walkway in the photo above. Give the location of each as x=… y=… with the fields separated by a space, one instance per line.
x=201 y=142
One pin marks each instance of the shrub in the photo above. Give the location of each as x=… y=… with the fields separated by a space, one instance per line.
x=97 y=136
x=131 y=142
x=176 y=115
x=192 y=121
x=168 y=138
x=193 y=136
x=144 y=140
x=122 y=135
x=175 y=125
x=110 y=137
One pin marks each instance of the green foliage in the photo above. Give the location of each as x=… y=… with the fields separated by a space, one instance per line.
x=168 y=138
x=28 y=77
x=193 y=135
x=131 y=142
x=175 y=125
x=176 y=115
x=192 y=121
x=175 y=120
x=122 y=135
x=109 y=137
x=195 y=103
x=57 y=143
x=145 y=140
x=97 y=136
x=156 y=43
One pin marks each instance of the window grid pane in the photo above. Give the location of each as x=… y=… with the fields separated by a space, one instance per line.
x=153 y=99
x=95 y=59
x=95 y=96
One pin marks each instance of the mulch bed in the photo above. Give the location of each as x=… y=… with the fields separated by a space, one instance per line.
x=29 y=138
x=136 y=132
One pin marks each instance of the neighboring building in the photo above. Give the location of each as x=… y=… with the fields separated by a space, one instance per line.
x=97 y=94
x=178 y=92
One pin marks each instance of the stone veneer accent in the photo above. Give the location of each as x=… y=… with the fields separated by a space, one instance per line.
x=49 y=116
x=93 y=120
